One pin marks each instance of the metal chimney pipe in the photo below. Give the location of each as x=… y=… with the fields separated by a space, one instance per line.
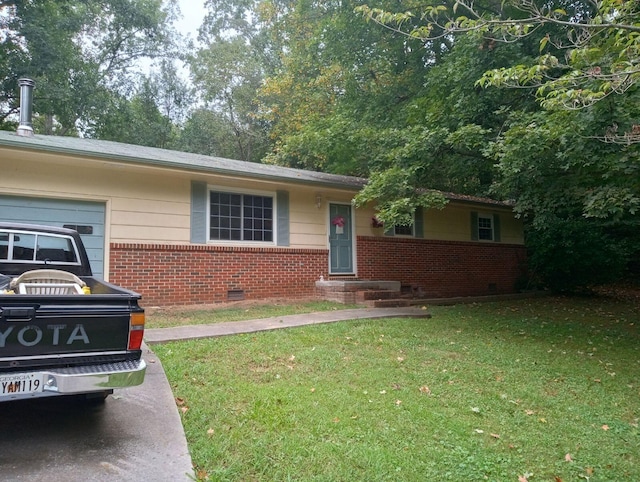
x=26 y=107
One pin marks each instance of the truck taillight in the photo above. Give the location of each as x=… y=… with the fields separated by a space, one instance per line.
x=136 y=330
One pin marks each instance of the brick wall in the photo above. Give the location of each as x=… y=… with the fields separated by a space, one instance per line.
x=443 y=268
x=181 y=275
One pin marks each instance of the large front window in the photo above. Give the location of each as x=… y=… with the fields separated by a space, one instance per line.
x=240 y=217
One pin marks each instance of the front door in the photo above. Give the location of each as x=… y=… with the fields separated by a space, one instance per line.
x=340 y=239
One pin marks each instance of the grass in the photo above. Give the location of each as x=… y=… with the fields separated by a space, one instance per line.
x=537 y=390
x=170 y=317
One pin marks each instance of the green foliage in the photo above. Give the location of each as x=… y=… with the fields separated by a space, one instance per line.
x=78 y=52
x=227 y=71
x=339 y=86
x=576 y=254
x=140 y=120
x=396 y=198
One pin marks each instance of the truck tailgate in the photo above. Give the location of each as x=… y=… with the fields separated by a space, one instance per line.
x=63 y=330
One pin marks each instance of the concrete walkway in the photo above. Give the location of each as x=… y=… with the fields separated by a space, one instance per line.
x=163 y=335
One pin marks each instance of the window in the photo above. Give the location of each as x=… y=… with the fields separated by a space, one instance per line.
x=485 y=227
x=415 y=229
x=240 y=217
x=400 y=230
x=37 y=248
x=4 y=246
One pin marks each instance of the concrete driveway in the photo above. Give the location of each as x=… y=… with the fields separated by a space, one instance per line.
x=136 y=435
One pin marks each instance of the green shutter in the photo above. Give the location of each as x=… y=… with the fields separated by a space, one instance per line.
x=282 y=205
x=198 y=212
x=496 y=228
x=474 y=226
x=418 y=226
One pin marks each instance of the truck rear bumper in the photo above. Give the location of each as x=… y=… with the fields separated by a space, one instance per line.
x=87 y=379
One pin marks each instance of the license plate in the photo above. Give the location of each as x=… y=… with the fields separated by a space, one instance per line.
x=20 y=384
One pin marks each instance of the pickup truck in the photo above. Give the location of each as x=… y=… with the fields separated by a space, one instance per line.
x=62 y=330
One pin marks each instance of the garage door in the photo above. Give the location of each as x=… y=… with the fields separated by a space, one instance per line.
x=86 y=217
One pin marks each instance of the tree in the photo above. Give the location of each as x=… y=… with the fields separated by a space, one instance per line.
x=78 y=52
x=339 y=84
x=573 y=168
x=589 y=50
x=227 y=71
x=207 y=132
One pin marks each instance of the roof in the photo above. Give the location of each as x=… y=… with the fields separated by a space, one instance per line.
x=153 y=156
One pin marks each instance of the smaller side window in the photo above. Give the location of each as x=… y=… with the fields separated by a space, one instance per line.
x=401 y=230
x=485 y=227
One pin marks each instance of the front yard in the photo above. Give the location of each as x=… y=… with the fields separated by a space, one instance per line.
x=539 y=390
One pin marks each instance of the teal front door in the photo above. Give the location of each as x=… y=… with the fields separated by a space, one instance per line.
x=340 y=239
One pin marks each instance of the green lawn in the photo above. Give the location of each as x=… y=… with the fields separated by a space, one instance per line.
x=538 y=390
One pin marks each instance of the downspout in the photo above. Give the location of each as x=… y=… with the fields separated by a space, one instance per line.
x=25 y=128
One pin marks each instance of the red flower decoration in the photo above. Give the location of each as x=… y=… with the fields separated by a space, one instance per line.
x=338 y=221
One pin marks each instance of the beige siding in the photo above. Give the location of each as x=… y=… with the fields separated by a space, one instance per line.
x=152 y=205
x=453 y=223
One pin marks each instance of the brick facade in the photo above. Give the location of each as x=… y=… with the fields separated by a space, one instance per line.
x=442 y=269
x=196 y=274
x=182 y=275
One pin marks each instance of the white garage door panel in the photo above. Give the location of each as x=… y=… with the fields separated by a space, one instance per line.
x=62 y=212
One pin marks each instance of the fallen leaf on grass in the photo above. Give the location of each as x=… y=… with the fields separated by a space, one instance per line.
x=568 y=458
x=495 y=435
x=184 y=409
x=202 y=474
x=605 y=427
x=522 y=478
x=210 y=432
x=425 y=389
x=398 y=402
